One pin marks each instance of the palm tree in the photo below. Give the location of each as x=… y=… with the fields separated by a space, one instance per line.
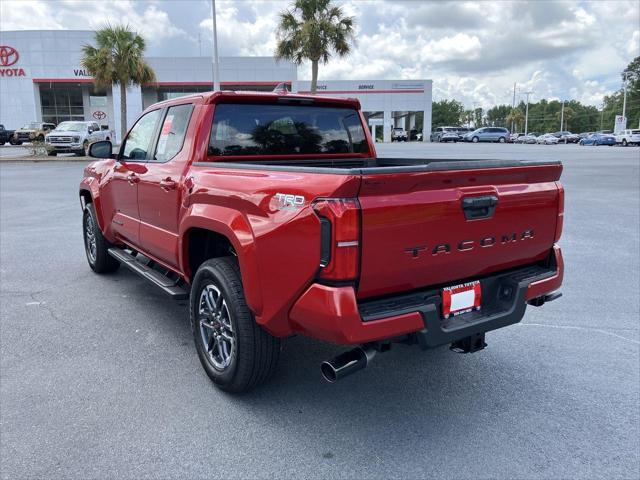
x=117 y=59
x=566 y=117
x=313 y=30
x=515 y=117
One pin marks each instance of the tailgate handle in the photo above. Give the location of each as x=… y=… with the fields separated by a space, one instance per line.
x=476 y=208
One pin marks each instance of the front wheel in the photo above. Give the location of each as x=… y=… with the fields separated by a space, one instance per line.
x=475 y=139
x=501 y=140
x=95 y=245
x=84 y=151
x=624 y=142
x=235 y=352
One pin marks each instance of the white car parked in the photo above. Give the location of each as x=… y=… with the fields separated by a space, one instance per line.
x=628 y=137
x=75 y=137
x=547 y=139
x=527 y=138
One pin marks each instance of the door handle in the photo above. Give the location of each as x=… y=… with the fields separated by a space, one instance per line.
x=133 y=178
x=168 y=184
x=476 y=208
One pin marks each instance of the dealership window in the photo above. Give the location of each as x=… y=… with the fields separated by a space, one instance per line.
x=61 y=103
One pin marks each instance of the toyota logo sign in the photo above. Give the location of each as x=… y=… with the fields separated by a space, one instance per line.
x=99 y=115
x=8 y=56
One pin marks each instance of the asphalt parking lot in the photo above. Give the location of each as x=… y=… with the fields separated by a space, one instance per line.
x=99 y=376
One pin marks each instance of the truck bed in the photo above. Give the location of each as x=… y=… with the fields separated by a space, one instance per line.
x=431 y=221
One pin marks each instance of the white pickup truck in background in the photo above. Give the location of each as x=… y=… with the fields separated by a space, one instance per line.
x=75 y=137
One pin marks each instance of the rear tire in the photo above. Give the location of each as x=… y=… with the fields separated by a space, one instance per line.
x=624 y=142
x=235 y=352
x=95 y=245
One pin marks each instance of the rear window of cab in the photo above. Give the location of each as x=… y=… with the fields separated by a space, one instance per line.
x=264 y=129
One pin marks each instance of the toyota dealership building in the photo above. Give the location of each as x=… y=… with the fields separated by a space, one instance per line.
x=41 y=79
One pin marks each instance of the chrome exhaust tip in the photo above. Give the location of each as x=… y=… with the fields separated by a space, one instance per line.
x=346 y=363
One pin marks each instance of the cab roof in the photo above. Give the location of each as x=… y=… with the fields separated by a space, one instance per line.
x=261 y=97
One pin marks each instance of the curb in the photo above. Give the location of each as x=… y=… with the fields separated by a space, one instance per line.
x=44 y=159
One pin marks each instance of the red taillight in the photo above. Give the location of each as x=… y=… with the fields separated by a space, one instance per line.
x=340 y=238
x=560 y=219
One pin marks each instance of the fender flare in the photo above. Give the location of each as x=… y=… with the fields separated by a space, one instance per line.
x=90 y=185
x=235 y=227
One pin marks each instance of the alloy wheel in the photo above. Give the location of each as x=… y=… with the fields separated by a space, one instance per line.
x=216 y=329
x=90 y=238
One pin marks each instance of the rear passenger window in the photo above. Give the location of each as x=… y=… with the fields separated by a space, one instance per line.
x=249 y=129
x=173 y=132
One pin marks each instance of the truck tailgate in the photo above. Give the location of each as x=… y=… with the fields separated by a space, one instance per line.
x=440 y=227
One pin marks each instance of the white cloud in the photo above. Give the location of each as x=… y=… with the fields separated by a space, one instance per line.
x=473 y=51
x=459 y=46
x=633 y=47
x=146 y=18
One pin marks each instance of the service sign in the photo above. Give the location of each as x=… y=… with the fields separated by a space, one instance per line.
x=620 y=125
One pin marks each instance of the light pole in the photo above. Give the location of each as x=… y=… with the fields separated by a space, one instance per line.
x=513 y=106
x=624 y=101
x=216 y=69
x=562 y=116
x=526 y=115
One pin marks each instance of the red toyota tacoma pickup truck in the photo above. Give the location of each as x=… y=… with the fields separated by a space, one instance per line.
x=273 y=215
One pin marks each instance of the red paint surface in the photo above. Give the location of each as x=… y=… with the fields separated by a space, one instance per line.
x=279 y=249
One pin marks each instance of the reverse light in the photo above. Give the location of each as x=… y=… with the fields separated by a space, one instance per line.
x=339 y=238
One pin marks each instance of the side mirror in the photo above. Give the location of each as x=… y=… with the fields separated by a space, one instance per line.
x=101 y=149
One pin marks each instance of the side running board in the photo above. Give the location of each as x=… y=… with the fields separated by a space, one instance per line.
x=166 y=284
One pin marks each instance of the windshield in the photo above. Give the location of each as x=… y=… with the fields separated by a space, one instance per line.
x=31 y=126
x=247 y=129
x=71 y=127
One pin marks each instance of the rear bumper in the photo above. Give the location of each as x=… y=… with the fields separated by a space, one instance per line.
x=333 y=314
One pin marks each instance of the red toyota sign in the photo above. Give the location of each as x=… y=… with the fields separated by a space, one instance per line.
x=9 y=56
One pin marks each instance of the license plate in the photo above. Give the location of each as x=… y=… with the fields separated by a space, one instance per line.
x=461 y=299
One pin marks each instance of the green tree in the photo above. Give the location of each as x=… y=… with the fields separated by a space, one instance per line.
x=313 y=30
x=446 y=113
x=613 y=103
x=478 y=117
x=515 y=117
x=497 y=116
x=565 y=117
x=117 y=59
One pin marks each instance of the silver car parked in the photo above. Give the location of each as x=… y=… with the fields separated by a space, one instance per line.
x=488 y=134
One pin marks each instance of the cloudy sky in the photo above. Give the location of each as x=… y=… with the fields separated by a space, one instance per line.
x=473 y=51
